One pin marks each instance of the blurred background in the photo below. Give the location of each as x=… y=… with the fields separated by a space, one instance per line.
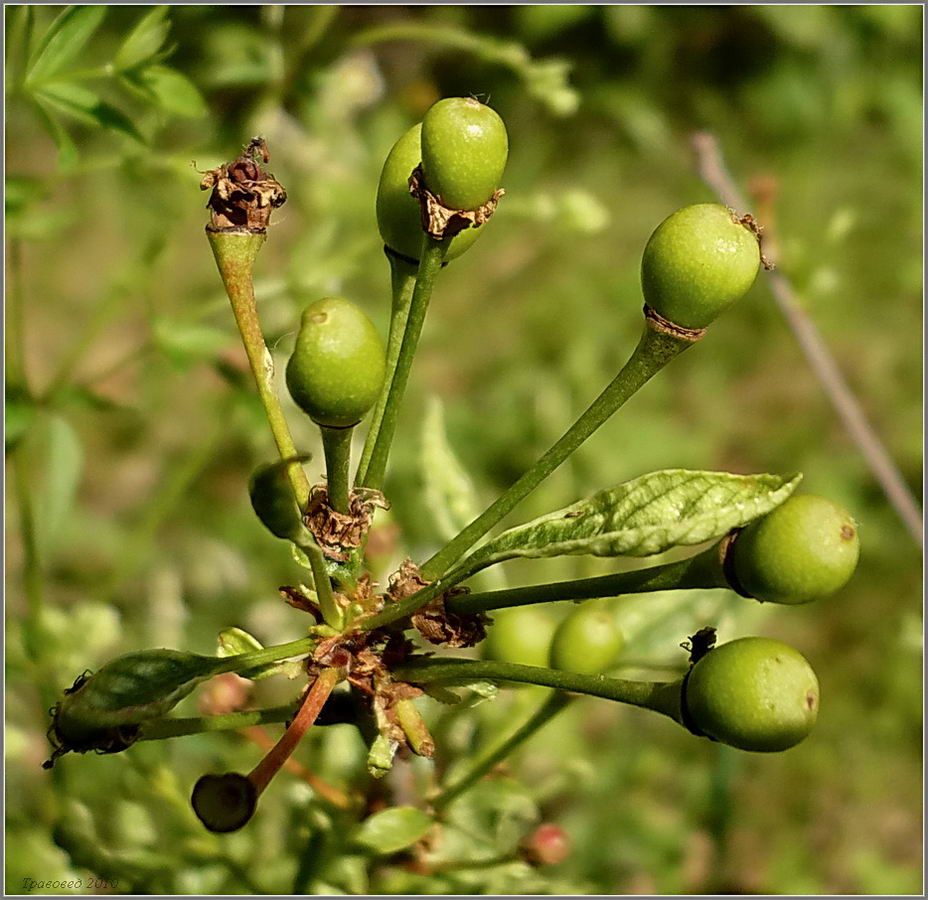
x=132 y=423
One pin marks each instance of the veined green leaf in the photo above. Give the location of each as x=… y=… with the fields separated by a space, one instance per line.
x=144 y=40
x=64 y=40
x=648 y=515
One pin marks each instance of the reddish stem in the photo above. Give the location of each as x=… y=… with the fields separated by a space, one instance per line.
x=313 y=702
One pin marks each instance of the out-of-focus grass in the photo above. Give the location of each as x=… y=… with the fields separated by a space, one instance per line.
x=160 y=547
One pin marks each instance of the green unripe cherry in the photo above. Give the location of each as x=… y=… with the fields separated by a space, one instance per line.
x=521 y=635
x=754 y=694
x=336 y=372
x=273 y=500
x=398 y=214
x=464 y=150
x=697 y=263
x=587 y=641
x=805 y=549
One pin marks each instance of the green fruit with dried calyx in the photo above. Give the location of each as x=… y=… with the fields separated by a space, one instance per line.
x=521 y=635
x=697 y=263
x=399 y=217
x=588 y=641
x=337 y=369
x=464 y=152
x=754 y=694
x=103 y=711
x=807 y=548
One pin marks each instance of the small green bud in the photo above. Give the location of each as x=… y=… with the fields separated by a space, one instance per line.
x=807 y=548
x=398 y=213
x=224 y=803
x=337 y=369
x=464 y=151
x=754 y=694
x=587 y=641
x=697 y=263
x=273 y=500
x=520 y=635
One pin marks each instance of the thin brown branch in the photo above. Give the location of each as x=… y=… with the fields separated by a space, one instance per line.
x=712 y=170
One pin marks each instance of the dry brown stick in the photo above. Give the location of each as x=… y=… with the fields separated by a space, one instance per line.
x=712 y=170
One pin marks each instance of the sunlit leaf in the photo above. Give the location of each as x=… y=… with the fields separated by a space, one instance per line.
x=64 y=40
x=648 y=515
x=235 y=641
x=392 y=830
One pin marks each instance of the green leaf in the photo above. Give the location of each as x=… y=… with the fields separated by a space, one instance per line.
x=448 y=490
x=20 y=414
x=187 y=343
x=64 y=40
x=144 y=40
x=648 y=515
x=85 y=106
x=174 y=93
x=235 y=641
x=392 y=830
x=62 y=464
x=67 y=150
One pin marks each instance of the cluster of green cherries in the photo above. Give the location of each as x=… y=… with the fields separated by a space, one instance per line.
x=753 y=693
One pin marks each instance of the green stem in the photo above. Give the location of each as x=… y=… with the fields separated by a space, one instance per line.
x=402 y=282
x=552 y=705
x=235 y=254
x=701 y=571
x=244 y=661
x=660 y=696
x=654 y=351
x=159 y=729
x=430 y=260
x=336 y=443
x=331 y=611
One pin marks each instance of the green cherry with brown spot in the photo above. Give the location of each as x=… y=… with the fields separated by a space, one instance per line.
x=697 y=263
x=806 y=549
x=753 y=693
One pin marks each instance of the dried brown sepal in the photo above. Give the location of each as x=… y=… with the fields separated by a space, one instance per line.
x=406 y=581
x=440 y=221
x=438 y=626
x=243 y=194
x=752 y=225
x=337 y=534
x=656 y=321
x=298 y=600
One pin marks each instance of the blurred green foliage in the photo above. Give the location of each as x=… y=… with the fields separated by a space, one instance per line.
x=132 y=425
